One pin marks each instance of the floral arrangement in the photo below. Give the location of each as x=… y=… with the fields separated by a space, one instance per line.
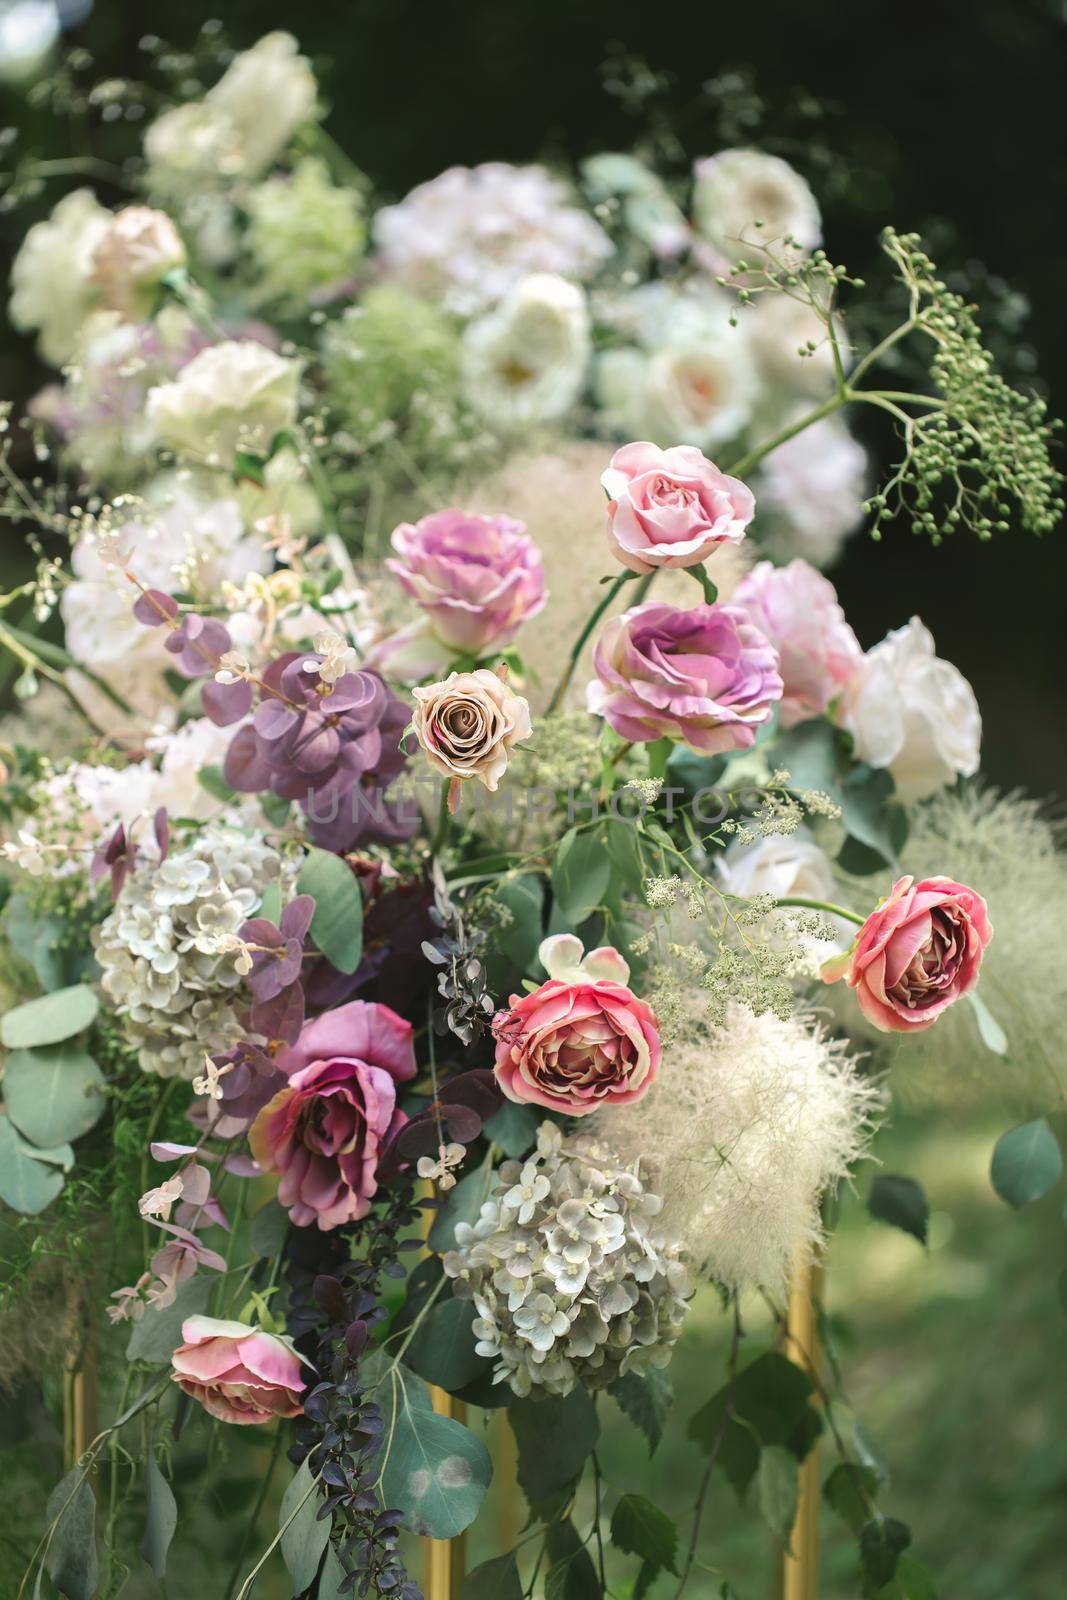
x=413 y=990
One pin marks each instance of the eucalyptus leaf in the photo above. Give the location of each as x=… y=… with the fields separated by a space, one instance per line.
x=990 y=1032
x=518 y=940
x=337 y=923
x=433 y=1468
x=1027 y=1163
x=159 y=1332
x=53 y=1093
x=49 y=1019
x=27 y=1183
x=72 y=1560
x=161 y=1517
x=302 y=1535
x=581 y=873
x=901 y=1202
x=513 y=1128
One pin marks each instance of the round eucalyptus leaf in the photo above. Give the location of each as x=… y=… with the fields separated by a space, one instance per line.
x=54 y=1093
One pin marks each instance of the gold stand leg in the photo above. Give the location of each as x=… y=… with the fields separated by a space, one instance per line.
x=444 y=1560
x=800 y=1564
x=79 y=1385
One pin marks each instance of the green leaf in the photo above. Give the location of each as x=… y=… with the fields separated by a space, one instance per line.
x=912 y=1582
x=571 y=1573
x=47 y=1020
x=882 y=1542
x=270 y=904
x=303 y=1533
x=990 y=1032
x=901 y=1202
x=513 y=1128
x=555 y=1436
x=494 y=1580
x=53 y=1094
x=159 y=1332
x=871 y=814
x=711 y=593
x=581 y=873
x=161 y=1518
x=72 y=1562
x=28 y=1183
x=778 y=1490
x=462 y=1204
x=519 y=939
x=768 y=1403
x=337 y=924
x=646 y=1398
x=434 y=1469
x=442 y=1347
x=810 y=752
x=640 y=1528
x=849 y=1489
x=275 y=809
x=331 y=1578
x=1026 y=1163
x=624 y=849
x=267 y=1230
x=211 y=779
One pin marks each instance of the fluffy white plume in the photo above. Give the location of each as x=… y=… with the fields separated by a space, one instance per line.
x=746 y=1128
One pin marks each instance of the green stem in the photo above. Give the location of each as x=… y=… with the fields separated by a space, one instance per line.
x=444 y=823
x=572 y=660
x=745 y=463
x=828 y=906
x=250 y=1526
x=658 y=754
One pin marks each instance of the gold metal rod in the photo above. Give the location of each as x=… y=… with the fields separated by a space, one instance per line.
x=79 y=1384
x=445 y=1560
x=800 y=1562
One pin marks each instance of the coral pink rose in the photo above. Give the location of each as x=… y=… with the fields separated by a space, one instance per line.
x=325 y=1130
x=238 y=1374
x=917 y=952
x=670 y=508
x=583 y=1040
x=797 y=609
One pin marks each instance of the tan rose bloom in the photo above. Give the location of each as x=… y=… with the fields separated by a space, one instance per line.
x=468 y=726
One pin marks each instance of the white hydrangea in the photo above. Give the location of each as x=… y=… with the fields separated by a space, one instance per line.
x=164 y=950
x=571 y=1277
x=469 y=235
x=524 y=362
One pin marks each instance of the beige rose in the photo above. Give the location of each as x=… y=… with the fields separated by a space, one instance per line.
x=137 y=249
x=468 y=726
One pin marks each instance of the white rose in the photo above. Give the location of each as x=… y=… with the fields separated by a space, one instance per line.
x=198 y=743
x=525 y=361
x=812 y=490
x=237 y=394
x=784 y=866
x=133 y=255
x=913 y=713
x=266 y=92
x=51 y=285
x=779 y=328
x=737 y=189
x=195 y=140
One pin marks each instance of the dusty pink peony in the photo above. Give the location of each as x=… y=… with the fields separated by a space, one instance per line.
x=917 y=952
x=238 y=1373
x=706 y=676
x=325 y=1130
x=797 y=609
x=670 y=508
x=583 y=1040
x=476 y=578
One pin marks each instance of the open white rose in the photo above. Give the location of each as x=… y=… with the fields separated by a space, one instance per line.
x=784 y=865
x=912 y=712
x=133 y=255
x=51 y=283
x=737 y=189
x=234 y=395
x=525 y=361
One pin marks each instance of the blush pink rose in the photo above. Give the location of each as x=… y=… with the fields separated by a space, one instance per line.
x=818 y=653
x=580 y=1042
x=476 y=578
x=325 y=1130
x=238 y=1373
x=917 y=952
x=670 y=508
x=706 y=676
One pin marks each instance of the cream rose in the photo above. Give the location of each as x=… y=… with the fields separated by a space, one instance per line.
x=133 y=255
x=737 y=189
x=912 y=712
x=469 y=725
x=51 y=287
x=524 y=362
x=234 y=395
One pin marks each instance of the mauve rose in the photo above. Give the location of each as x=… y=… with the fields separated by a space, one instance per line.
x=238 y=1373
x=325 y=1130
x=583 y=1040
x=670 y=508
x=818 y=653
x=917 y=952
x=477 y=578
x=706 y=676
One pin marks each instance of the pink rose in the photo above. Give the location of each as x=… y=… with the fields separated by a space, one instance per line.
x=706 y=676
x=477 y=578
x=670 y=508
x=797 y=609
x=325 y=1130
x=238 y=1374
x=918 y=951
x=581 y=1041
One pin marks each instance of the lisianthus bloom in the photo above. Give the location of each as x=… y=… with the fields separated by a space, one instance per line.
x=238 y=1373
x=476 y=578
x=818 y=653
x=469 y=725
x=917 y=952
x=137 y=249
x=670 y=508
x=325 y=1130
x=583 y=1040
x=706 y=676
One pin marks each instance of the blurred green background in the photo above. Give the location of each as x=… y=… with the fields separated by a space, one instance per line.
x=947 y=117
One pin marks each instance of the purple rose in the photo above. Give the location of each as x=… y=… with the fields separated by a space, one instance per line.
x=476 y=578
x=708 y=676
